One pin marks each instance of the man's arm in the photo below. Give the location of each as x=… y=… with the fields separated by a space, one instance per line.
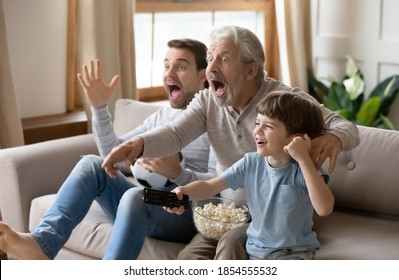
x=346 y=131
x=160 y=141
x=123 y=154
x=341 y=135
x=194 y=168
x=173 y=137
x=104 y=134
x=103 y=131
x=188 y=175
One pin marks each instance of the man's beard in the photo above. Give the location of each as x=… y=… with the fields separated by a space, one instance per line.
x=224 y=102
x=231 y=96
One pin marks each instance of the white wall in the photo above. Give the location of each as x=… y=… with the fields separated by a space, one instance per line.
x=367 y=30
x=36 y=35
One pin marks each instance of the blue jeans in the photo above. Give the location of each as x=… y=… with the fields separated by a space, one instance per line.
x=123 y=204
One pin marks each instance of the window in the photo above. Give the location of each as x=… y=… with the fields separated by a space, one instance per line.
x=157 y=22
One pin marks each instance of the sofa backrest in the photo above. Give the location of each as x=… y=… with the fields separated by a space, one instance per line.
x=365 y=177
x=130 y=113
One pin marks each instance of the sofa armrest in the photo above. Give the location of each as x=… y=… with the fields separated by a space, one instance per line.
x=34 y=170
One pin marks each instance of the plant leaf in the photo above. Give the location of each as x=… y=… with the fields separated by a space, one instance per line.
x=357 y=103
x=331 y=104
x=369 y=111
x=346 y=114
x=387 y=91
x=316 y=88
x=387 y=122
x=340 y=96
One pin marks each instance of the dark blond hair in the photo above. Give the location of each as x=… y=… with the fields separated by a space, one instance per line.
x=298 y=114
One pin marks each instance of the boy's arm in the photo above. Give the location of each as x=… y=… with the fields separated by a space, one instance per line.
x=203 y=189
x=198 y=190
x=320 y=195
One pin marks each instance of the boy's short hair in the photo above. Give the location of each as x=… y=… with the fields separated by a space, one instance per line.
x=299 y=115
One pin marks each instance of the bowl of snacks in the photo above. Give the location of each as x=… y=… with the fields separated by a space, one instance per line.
x=214 y=216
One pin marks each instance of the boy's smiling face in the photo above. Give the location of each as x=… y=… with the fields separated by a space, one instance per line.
x=270 y=137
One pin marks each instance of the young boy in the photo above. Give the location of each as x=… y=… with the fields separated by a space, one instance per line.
x=281 y=182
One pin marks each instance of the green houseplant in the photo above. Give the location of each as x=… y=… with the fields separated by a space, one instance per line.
x=346 y=97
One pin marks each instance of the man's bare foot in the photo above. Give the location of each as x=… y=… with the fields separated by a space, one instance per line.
x=19 y=245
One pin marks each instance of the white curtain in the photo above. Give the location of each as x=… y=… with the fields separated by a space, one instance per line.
x=298 y=47
x=11 y=133
x=104 y=30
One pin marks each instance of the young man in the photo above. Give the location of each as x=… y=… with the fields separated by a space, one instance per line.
x=281 y=183
x=184 y=75
x=226 y=111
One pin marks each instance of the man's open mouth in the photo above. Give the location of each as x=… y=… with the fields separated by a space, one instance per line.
x=174 y=91
x=219 y=88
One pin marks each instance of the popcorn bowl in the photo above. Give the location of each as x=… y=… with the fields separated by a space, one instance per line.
x=214 y=216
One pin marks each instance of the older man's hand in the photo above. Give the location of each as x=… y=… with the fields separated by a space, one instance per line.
x=124 y=154
x=326 y=146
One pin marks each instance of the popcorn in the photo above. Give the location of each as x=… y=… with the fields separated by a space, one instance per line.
x=212 y=220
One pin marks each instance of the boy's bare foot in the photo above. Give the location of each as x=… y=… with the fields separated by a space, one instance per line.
x=20 y=245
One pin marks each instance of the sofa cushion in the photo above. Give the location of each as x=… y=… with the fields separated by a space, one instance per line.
x=350 y=236
x=365 y=177
x=131 y=113
x=90 y=237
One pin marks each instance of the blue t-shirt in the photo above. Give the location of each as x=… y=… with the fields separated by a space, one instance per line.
x=279 y=203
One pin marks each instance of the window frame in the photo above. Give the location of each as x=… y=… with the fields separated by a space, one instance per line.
x=272 y=64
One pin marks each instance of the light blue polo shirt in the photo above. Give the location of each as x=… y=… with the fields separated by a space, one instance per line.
x=279 y=203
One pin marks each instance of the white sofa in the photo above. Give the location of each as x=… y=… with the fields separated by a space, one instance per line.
x=364 y=224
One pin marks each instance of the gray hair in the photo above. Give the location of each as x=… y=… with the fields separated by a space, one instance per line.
x=251 y=49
